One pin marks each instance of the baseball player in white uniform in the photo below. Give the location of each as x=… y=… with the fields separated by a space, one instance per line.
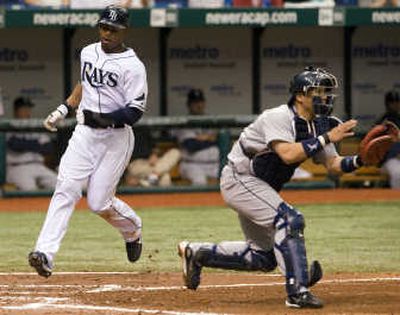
x=25 y=154
x=199 y=148
x=260 y=162
x=111 y=98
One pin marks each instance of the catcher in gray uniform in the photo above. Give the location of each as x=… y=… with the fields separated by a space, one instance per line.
x=259 y=164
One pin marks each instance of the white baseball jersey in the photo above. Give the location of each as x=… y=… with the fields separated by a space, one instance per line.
x=112 y=81
x=98 y=156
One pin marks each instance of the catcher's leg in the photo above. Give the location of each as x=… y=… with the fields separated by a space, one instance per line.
x=225 y=255
x=291 y=256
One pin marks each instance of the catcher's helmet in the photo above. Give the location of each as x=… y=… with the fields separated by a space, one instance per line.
x=313 y=78
x=114 y=16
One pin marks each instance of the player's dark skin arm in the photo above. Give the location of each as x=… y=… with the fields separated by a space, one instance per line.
x=294 y=152
x=75 y=98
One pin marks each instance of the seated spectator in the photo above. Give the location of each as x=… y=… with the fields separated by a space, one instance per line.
x=254 y=3
x=25 y=161
x=199 y=149
x=47 y=3
x=391 y=165
x=347 y=2
x=11 y=3
x=98 y=4
x=206 y=3
x=170 y=3
x=378 y=3
x=309 y=4
x=154 y=170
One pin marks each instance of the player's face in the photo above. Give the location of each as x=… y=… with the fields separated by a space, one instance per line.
x=24 y=112
x=111 y=38
x=197 y=107
x=306 y=101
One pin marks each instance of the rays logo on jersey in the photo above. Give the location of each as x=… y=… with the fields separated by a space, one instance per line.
x=98 y=77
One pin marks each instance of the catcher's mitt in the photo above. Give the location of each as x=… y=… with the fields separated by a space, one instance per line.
x=377 y=143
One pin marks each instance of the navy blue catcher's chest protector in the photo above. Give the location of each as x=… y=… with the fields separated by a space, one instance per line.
x=269 y=167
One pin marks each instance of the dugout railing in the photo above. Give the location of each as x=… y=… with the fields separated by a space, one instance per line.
x=228 y=128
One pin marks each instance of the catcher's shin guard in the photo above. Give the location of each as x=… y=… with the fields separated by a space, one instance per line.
x=236 y=256
x=290 y=248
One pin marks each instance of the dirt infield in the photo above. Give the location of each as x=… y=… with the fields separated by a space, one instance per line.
x=220 y=293
x=215 y=199
x=154 y=293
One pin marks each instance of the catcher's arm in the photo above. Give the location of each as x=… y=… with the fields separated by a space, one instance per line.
x=343 y=164
x=62 y=110
x=300 y=151
x=373 y=149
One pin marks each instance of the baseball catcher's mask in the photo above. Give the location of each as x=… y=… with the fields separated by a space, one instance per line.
x=114 y=16
x=318 y=83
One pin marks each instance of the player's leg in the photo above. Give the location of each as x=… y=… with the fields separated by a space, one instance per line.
x=101 y=190
x=291 y=255
x=212 y=170
x=193 y=172
x=75 y=167
x=254 y=254
x=167 y=161
x=258 y=202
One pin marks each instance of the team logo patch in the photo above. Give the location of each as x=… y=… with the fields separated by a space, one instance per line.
x=113 y=15
x=98 y=77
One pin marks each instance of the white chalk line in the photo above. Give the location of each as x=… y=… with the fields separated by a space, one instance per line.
x=36 y=306
x=49 y=302
x=62 y=273
x=117 y=287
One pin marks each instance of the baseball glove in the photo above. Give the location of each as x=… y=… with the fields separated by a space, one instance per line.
x=377 y=143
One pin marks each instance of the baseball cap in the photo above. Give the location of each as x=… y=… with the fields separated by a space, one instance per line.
x=23 y=102
x=195 y=95
x=392 y=96
x=115 y=16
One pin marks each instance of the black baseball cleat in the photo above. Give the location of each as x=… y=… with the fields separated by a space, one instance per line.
x=303 y=300
x=315 y=273
x=38 y=260
x=191 y=269
x=134 y=249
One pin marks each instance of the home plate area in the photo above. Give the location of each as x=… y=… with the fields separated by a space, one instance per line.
x=163 y=293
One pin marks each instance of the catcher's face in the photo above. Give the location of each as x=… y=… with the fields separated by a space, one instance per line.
x=111 y=38
x=322 y=99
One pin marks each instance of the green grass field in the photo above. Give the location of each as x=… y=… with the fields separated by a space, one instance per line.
x=344 y=237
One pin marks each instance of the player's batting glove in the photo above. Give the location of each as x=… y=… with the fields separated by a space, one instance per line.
x=51 y=121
